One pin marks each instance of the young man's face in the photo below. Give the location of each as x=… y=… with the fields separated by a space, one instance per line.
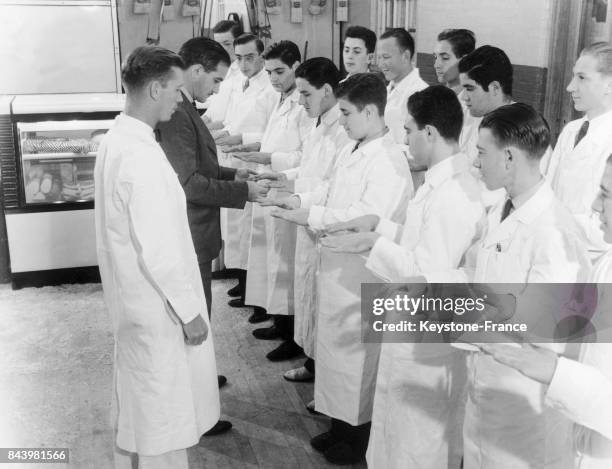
x=207 y=83
x=282 y=77
x=588 y=86
x=249 y=59
x=603 y=203
x=416 y=139
x=355 y=56
x=393 y=62
x=478 y=101
x=168 y=96
x=354 y=121
x=491 y=161
x=226 y=39
x=445 y=62
x=310 y=97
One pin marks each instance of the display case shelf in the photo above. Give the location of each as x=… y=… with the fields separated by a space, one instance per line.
x=57 y=156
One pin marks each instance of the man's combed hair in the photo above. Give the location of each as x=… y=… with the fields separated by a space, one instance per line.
x=286 y=51
x=439 y=107
x=148 y=63
x=224 y=26
x=521 y=126
x=602 y=51
x=319 y=71
x=248 y=37
x=486 y=65
x=362 y=89
x=404 y=39
x=204 y=51
x=462 y=41
x=366 y=35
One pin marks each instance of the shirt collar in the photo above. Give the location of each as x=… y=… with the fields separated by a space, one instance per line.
x=446 y=169
x=261 y=77
x=602 y=119
x=331 y=116
x=529 y=206
x=135 y=126
x=406 y=81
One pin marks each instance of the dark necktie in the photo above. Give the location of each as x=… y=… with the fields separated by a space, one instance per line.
x=195 y=106
x=355 y=147
x=245 y=85
x=584 y=128
x=318 y=121
x=507 y=209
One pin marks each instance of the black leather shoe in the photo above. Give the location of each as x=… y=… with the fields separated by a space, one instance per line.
x=343 y=454
x=267 y=333
x=236 y=303
x=323 y=442
x=235 y=290
x=222 y=380
x=285 y=351
x=220 y=427
x=259 y=315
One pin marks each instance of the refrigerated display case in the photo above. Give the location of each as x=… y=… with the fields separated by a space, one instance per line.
x=49 y=191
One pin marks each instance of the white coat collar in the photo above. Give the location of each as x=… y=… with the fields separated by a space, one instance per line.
x=261 y=80
x=289 y=103
x=604 y=119
x=529 y=210
x=406 y=82
x=331 y=116
x=370 y=149
x=134 y=126
x=446 y=169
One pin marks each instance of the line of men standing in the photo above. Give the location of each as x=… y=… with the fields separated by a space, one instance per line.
x=336 y=156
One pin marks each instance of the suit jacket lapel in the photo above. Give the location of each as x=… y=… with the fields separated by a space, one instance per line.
x=193 y=113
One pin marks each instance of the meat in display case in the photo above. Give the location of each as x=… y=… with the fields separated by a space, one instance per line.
x=58 y=159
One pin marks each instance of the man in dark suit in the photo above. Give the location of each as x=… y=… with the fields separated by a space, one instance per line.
x=192 y=153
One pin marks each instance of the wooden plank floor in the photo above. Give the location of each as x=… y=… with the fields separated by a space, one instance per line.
x=56 y=377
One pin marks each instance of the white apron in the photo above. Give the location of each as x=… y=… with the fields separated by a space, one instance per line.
x=166 y=391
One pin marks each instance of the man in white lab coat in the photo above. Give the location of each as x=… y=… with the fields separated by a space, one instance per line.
x=529 y=237
x=395 y=54
x=581 y=390
x=316 y=81
x=417 y=414
x=250 y=104
x=272 y=248
x=165 y=376
x=584 y=144
x=224 y=32
x=370 y=177
x=358 y=51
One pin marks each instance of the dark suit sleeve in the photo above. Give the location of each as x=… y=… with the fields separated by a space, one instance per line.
x=227 y=174
x=179 y=139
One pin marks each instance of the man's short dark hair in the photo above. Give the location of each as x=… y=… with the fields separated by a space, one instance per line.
x=519 y=125
x=439 y=107
x=366 y=35
x=318 y=71
x=462 y=41
x=204 y=51
x=362 y=89
x=402 y=37
x=148 y=63
x=224 y=26
x=286 y=51
x=248 y=37
x=487 y=64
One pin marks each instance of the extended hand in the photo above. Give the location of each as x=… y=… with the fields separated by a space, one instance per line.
x=534 y=362
x=195 y=331
x=254 y=157
x=244 y=174
x=220 y=133
x=229 y=140
x=256 y=191
x=272 y=176
x=352 y=242
x=298 y=216
x=360 y=224
x=287 y=203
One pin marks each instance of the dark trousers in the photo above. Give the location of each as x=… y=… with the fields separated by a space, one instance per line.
x=356 y=436
x=206 y=275
x=285 y=325
x=309 y=364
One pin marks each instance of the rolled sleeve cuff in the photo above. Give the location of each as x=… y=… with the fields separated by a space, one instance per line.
x=315 y=217
x=563 y=387
x=381 y=256
x=280 y=161
x=387 y=229
x=305 y=199
x=186 y=306
x=251 y=137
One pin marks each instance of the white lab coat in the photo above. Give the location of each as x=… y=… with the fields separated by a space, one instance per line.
x=575 y=173
x=320 y=152
x=247 y=114
x=167 y=391
x=374 y=179
x=507 y=425
x=418 y=406
x=272 y=248
x=217 y=104
x=582 y=391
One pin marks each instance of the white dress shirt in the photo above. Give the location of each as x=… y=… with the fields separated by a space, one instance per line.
x=217 y=104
